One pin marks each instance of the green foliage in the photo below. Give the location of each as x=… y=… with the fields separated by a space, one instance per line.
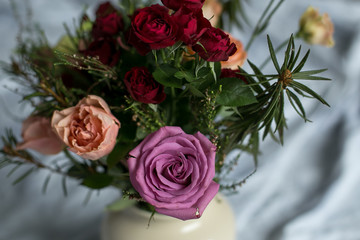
x=234 y=93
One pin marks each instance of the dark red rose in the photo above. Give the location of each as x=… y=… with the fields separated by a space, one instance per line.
x=105 y=49
x=152 y=28
x=104 y=9
x=192 y=24
x=215 y=46
x=108 y=21
x=142 y=86
x=230 y=73
x=177 y=4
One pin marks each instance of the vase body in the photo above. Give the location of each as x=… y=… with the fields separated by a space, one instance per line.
x=216 y=223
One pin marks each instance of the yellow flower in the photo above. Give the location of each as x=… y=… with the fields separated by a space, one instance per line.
x=316 y=29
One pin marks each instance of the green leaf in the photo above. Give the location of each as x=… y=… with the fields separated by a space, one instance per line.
x=63 y=183
x=309 y=91
x=273 y=55
x=234 y=93
x=299 y=108
x=187 y=75
x=311 y=72
x=164 y=74
x=97 y=181
x=120 y=204
x=259 y=75
x=46 y=183
x=195 y=91
x=302 y=63
x=293 y=62
x=287 y=53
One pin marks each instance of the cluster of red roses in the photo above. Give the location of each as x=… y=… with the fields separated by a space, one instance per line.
x=108 y=24
x=152 y=28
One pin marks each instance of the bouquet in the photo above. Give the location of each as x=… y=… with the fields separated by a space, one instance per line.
x=152 y=98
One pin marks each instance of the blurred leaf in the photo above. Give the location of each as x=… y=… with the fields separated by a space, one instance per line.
x=164 y=74
x=23 y=176
x=97 y=181
x=234 y=93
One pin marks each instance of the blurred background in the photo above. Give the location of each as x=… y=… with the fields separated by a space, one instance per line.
x=306 y=189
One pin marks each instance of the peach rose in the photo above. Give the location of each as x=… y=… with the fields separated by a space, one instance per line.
x=238 y=58
x=212 y=10
x=38 y=135
x=316 y=29
x=89 y=128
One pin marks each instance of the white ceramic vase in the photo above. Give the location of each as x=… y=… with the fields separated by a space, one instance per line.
x=216 y=223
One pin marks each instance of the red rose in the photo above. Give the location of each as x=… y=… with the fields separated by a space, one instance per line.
x=215 y=46
x=230 y=73
x=176 y=4
x=105 y=49
x=152 y=28
x=192 y=24
x=108 y=21
x=142 y=86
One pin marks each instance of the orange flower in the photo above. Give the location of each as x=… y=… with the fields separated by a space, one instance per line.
x=212 y=10
x=238 y=58
x=316 y=29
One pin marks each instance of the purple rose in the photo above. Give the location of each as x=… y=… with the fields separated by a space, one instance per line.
x=174 y=171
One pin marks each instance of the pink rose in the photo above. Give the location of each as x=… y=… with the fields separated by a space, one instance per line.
x=38 y=135
x=89 y=128
x=174 y=171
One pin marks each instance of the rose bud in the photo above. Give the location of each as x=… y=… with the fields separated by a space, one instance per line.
x=108 y=21
x=316 y=29
x=142 y=86
x=215 y=46
x=38 y=135
x=177 y=4
x=212 y=10
x=174 y=171
x=231 y=73
x=88 y=129
x=192 y=24
x=238 y=58
x=105 y=50
x=152 y=28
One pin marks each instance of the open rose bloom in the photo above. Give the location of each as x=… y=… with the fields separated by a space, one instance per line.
x=89 y=128
x=174 y=171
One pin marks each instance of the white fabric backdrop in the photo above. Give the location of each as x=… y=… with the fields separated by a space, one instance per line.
x=306 y=189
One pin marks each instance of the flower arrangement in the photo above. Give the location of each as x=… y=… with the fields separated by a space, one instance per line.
x=153 y=100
